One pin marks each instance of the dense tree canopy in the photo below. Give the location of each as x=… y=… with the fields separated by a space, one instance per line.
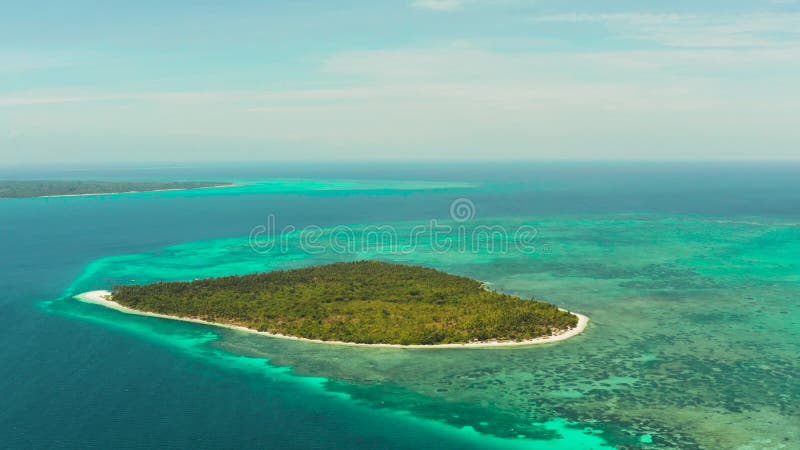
x=41 y=188
x=365 y=302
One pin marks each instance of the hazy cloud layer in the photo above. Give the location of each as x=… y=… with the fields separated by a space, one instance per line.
x=502 y=79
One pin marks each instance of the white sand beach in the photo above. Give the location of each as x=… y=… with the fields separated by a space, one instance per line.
x=94 y=194
x=103 y=298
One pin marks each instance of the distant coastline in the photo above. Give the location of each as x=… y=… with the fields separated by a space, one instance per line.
x=103 y=298
x=65 y=188
x=226 y=185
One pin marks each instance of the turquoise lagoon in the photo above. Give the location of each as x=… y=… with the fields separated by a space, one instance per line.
x=694 y=299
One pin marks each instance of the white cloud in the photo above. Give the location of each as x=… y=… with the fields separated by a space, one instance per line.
x=15 y=61
x=692 y=30
x=438 y=5
x=434 y=101
x=468 y=63
x=29 y=100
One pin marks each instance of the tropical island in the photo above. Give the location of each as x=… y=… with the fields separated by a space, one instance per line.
x=360 y=303
x=65 y=188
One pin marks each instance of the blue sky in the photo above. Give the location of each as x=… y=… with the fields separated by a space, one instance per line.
x=89 y=81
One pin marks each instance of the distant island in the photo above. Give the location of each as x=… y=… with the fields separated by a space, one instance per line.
x=365 y=302
x=64 y=188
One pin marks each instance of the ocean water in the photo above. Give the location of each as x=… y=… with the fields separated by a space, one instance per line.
x=690 y=275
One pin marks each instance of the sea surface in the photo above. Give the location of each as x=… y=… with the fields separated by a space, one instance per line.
x=690 y=274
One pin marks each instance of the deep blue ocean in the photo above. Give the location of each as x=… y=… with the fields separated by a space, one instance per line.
x=72 y=376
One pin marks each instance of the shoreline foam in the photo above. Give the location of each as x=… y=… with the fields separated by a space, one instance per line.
x=102 y=298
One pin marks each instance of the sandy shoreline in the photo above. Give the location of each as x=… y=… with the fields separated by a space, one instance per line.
x=101 y=298
x=92 y=194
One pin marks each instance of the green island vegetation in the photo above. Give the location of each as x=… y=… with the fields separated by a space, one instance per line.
x=42 y=188
x=360 y=302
